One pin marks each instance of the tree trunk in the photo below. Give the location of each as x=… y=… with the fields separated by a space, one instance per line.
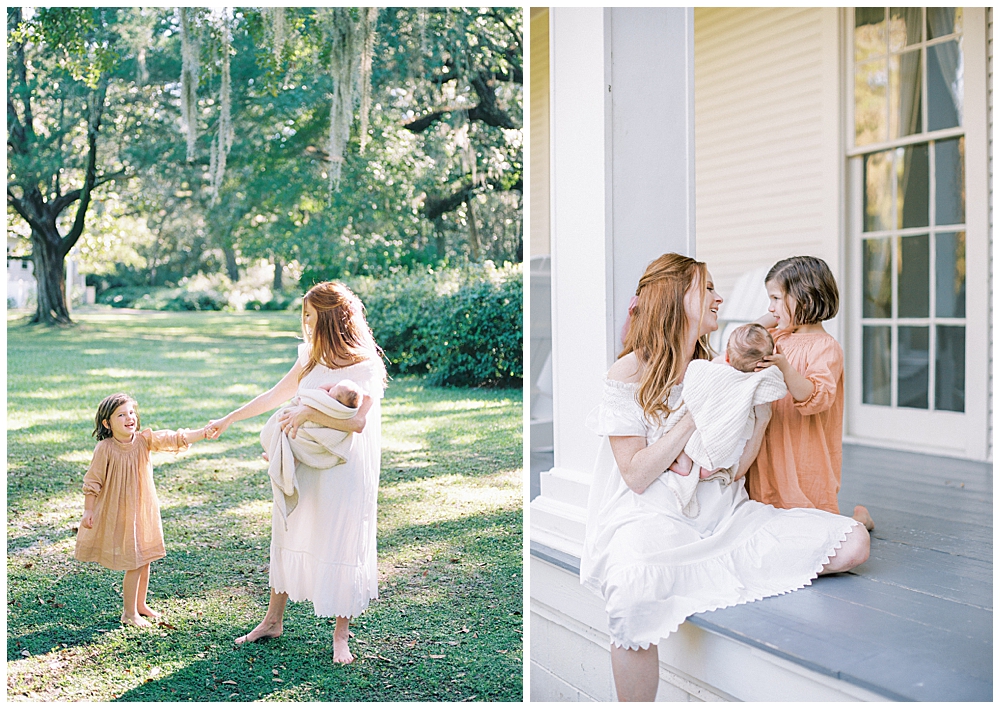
x=439 y=241
x=277 y=286
x=232 y=269
x=474 y=247
x=50 y=277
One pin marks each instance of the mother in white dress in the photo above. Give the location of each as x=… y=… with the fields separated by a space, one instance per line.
x=653 y=565
x=326 y=554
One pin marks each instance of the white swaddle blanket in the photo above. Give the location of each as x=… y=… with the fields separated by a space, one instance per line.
x=721 y=399
x=315 y=445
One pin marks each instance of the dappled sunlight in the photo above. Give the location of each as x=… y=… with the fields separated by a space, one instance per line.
x=446 y=497
x=114 y=373
x=77 y=457
x=18 y=420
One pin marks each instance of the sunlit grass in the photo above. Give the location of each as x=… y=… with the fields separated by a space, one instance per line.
x=447 y=625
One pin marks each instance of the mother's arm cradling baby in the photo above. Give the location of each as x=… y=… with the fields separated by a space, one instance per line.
x=294 y=416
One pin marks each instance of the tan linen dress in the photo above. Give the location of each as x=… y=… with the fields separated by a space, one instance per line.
x=127 y=533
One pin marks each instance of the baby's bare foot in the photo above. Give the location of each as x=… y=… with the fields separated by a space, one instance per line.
x=266 y=629
x=148 y=612
x=264 y=456
x=341 y=652
x=135 y=620
x=861 y=515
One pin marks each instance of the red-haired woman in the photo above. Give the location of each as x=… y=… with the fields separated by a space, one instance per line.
x=326 y=553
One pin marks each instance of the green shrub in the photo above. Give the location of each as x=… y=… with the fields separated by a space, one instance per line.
x=197 y=300
x=460 y=326
x=130 y=296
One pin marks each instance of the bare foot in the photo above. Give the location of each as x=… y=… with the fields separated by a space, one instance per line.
x=266 y=629
x=861 y=515
x=264 y=456
x=341 y=652
x=135 y=620
x=148 y=612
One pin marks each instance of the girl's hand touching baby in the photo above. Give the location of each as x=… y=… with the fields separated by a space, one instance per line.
x=777 y=359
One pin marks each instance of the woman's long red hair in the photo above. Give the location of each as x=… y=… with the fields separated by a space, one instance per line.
x=658 y=329
x=340 y=335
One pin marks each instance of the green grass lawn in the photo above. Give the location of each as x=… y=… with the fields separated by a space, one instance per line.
x=447 y=625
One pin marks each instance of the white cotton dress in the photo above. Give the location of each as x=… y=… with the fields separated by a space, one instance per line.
x=654 y=566
x=327 y=553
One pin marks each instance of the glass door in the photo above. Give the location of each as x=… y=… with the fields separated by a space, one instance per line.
x=908 y=223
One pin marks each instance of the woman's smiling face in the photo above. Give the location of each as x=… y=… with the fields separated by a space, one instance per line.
x=701 y=305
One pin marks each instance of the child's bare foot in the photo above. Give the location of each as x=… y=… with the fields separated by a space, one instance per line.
x=341 y=652
x=861 y=515
x=148 y=612
x=266 y=629
x=136 y=620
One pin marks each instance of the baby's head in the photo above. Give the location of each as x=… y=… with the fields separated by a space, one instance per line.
x=347 y=393
x=748 y=344
x=105 y=413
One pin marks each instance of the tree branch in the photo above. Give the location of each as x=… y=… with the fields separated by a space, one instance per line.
x=90 y=176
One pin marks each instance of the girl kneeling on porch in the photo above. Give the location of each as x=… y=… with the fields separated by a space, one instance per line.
x=654 y=565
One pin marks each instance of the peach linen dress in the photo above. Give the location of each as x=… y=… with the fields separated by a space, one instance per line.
x=327 y=552
x=127 y=533
x=654 y=566
x=800 y=458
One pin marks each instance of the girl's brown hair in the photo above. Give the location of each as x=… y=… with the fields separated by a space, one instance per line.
x=106 y=408
x=658 y=329
x=340 y=333
x=810 y=284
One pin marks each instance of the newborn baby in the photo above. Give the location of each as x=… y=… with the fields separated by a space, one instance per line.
x=748 y=345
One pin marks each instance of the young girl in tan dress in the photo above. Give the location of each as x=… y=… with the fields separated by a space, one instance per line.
x=121 y=527
x=800 y=457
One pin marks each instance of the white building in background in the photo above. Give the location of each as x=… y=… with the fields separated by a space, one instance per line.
x=742 y=136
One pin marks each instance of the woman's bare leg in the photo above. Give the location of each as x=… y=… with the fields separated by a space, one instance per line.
x=270 y=627
x=636 y=672
x=853 y=552
x=140 y=595
x=341 y=632
x=130 y=594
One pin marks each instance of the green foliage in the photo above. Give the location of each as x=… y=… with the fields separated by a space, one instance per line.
x=462 y=326
x=447 y=625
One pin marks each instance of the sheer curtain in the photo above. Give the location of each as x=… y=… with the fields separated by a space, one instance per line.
x=941 y=21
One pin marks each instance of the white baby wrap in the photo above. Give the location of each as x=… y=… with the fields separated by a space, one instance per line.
x=721 y=399
x=314 y=445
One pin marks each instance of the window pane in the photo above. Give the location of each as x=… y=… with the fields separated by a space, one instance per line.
x=943 y=20
x=876 y=368
x=949 y=269
x=949 y=372
x=904 y=94
x=944 y=85
x=878 y=191
x=913 y=367
x=949 y=179
x=870 y=80
x=877 y=279
x=913 y=185
x=904 y=27
x=869 y=32
x=914 y=277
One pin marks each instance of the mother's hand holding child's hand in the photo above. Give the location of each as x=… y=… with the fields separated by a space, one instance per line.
x=216 y=428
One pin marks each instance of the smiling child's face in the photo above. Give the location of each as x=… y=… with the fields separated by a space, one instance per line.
x=778 y=305
x=123 y=421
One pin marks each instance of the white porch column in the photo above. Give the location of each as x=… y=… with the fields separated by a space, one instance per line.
x=622 y=112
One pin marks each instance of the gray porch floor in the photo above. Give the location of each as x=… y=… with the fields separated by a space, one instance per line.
x=915 y=622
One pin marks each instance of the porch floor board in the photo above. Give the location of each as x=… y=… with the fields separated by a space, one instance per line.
x=915 y=622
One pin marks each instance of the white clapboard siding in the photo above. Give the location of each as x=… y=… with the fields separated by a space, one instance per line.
x=767 y=138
